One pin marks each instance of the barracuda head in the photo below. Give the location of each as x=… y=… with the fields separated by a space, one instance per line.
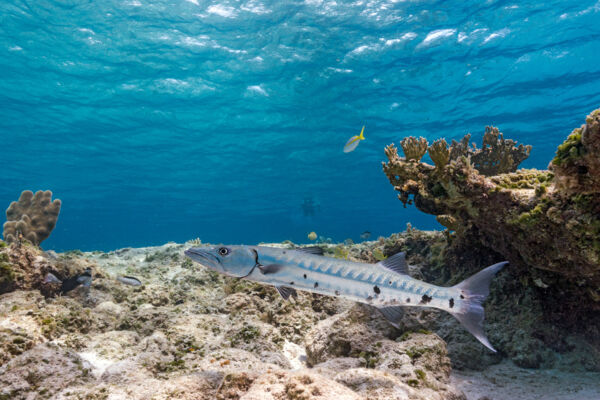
x=236 y=261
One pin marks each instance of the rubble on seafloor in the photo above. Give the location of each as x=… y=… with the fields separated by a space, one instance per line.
x=545 y=222
x=190 y=333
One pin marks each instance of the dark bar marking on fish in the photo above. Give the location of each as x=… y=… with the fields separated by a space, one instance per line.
x=304 y=276
x=376 y=289
x=425 y=299
x=316 y=285
x=451 y=301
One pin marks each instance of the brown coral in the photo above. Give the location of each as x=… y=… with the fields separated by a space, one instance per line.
x=439 y=153
x=535 y=219
x=33 y=216
x=414 y=149
x=496 y=156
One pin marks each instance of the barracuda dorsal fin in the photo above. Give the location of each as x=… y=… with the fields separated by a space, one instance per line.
x=286 y=292
x=312 y=250
x=395 y=263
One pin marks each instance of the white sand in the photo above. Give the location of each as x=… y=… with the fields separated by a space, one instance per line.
x=506 y=381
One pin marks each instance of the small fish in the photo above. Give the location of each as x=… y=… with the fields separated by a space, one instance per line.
x=365 y=235
x=51 y=278
x=312 y=236
x=66 y=285
x=385 y=285
x=129 y=280
x=354 y=141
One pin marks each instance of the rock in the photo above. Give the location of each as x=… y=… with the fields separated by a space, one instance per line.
x=300 y=385
x=44 y=370
x=358 y=337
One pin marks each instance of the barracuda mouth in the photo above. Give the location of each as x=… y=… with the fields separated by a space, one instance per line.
x=202 y=256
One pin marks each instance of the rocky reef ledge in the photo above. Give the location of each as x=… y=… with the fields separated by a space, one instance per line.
x=545 y=222
x=189 y=333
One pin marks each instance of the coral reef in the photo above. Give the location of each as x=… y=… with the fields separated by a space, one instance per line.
x=25 y=267
x=190 y=333
x=33 y=217
x=414 y=149
x=546 y=223
x=576 y=166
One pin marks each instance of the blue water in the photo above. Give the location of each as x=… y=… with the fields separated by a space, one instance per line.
x=174 y=119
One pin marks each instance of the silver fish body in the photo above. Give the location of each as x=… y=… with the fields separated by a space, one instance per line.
x=385 y=285
x=366 y=283
x=129 y=280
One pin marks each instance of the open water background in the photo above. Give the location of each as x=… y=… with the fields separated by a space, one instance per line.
x=175 y=119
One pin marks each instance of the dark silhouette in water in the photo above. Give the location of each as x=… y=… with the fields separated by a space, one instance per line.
x=309 y=207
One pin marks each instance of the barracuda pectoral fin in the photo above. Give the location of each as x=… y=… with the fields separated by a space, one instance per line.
x=396 y=263
x=269 y=269
x=312 y=250
x=393 y=314
x=286 y=292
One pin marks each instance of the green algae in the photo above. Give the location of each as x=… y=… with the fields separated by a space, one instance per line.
x=7 y=273
x=570 y=150
x=523 y=179
x=371 y=358
x=246 y=335
x=378 y=254
x=341 y=252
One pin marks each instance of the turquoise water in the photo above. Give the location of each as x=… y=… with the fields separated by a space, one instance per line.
x=171 y=119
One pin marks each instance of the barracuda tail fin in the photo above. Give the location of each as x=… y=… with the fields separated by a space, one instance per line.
x=475 y=290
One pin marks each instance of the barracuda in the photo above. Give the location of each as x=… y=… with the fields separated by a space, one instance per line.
x=385 y=285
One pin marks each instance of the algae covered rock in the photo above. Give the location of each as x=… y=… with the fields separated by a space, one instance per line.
x=25 y=267
x=545 y=223
x=187 y=333
x=523 y=215
x=357 y=349
x=301 y=385
x=577 y=162
x=44 y=370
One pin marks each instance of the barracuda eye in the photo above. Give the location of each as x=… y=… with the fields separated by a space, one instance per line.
x=223 y=251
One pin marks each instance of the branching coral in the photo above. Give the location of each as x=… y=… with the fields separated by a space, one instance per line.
x=414 y=149
x=536 y=219
x=439 y=153
x=496 y=156
x=33 y=216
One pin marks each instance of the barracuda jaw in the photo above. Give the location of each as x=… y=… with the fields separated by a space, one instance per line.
x=204 y=257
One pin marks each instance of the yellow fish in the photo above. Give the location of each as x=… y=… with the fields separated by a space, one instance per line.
x=354 y=141
x=312 y=236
